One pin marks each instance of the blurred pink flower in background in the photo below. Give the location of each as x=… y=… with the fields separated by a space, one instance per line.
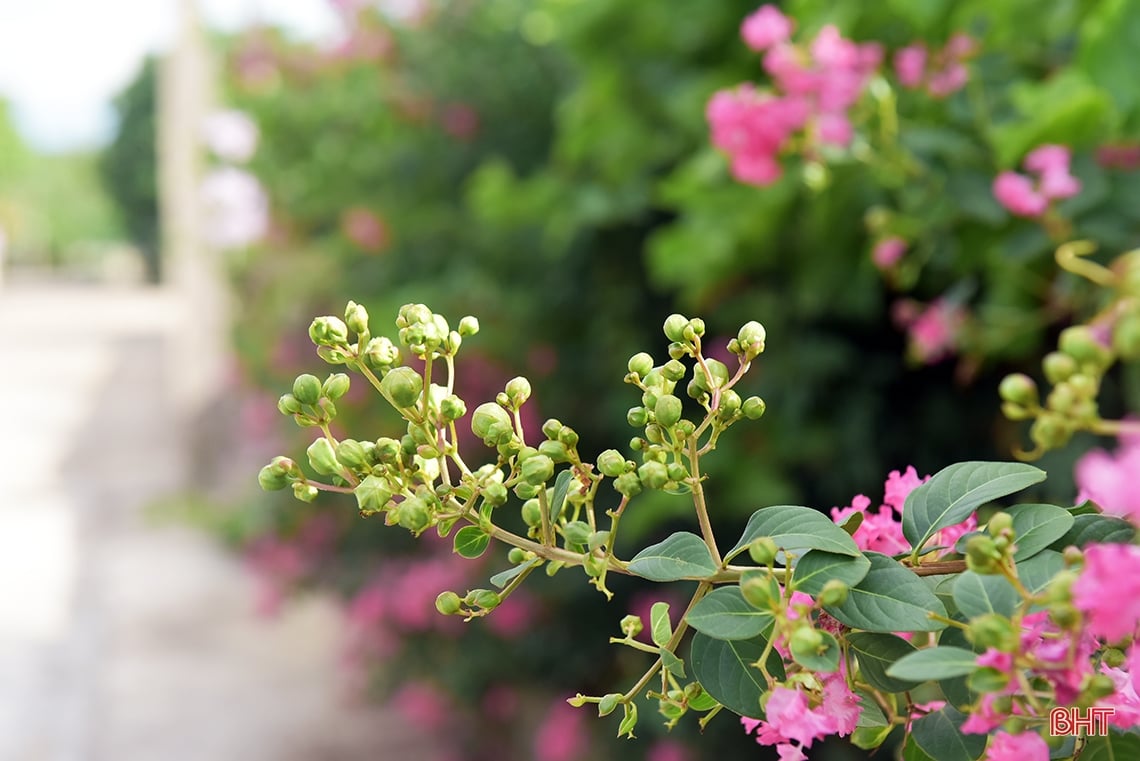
x=766 y=27
x=888 y=252
x=1028 y=196
x=668 y=750
x=424 y=705
x=1025 y=746
x=561 y=736
x=231 y=135
x=460 y=121
x=942 y=72
x=1108 y=590
x=1110 y=480
x=910 y=65
x=932 y=332
x=364 y=228
x=235 y=207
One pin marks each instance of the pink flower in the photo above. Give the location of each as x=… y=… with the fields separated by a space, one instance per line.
x=948 y=81
x=1047 y=158
x=561 y=736
x=899 y=486
x=910 y=65
x=765 y=28
x=667 y=750
x=1026 y=746
x=231 y=135
x=934 y=332
x=834 y=129
x=790 y=718
x=1108 y=480
x=460 y=120
x=1124 y=701
x=1016 y=193
x=365 y=229
x=1108 y=590
x=423 y=705
x=888 y=252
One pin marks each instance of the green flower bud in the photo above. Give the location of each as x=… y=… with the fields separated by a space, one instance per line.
x=403 y=386
x=1080 y=343
x=518 y=391
x=677 y=471
x=982 y=555
x=754 y=408
x=413 y=514
x=307 y=389
x=373 y=494
x=555 y=450
x=834 y=592
x=408 y=444
x=485 y=599
x=609 y=703
x=678 y=350
x=275 y=475
x=751 y=338
x=1058 y=367
x=517 y=555
x=411 y=314
x=489 y=418
x=760 y=590
x=637 y=416
x=495 y=494
x=697 y=325
x=356 y=317
x=1099 y=686
x=568 y=437
x=655 y=434
x=380 y=353
x=351 y=454
x=538 y=470
x=1060 y=588
x=322 y=457
x=640 y=364
x=1018 y=388
x=988 y=680
x=667 y=410
x=673 y=371
x=288 y=405
x=805 y=642
x=628 y=484
x=468 y=326
x=730 y=403
x=387 y=450
x=1061 y=398
x=1072 y=556
x=631 y=626
x=452 y=407
x=993 y=630
x=1126 y=337
x=1050 y=431
x=763 y=551
x=998 y=523
x=551 y=428
x=653 y=475
x=526 y=453
x=448 y=603
x=1114 y=657
x=532 y=513
x=304 y=492
x=611 y=463
x=524 y=490
x=328 y=331
x=335 y=386
x=675 y=326
x=331 y=355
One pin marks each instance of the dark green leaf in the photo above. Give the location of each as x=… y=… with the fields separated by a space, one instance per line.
x=877 y=653
x=1115 y=746
x=1090 y=528
x=725 y=671
x=889 y=598
x=681 y=556
x=724 y=614
x=940 y=736
x=1036 y=573
x=1037 y=526
x=672 y=663
x=561 y=486
x=977 y=595
x=502 y=578
x=934 y=663
x=870 y=714
x=817 y=567
x=576 y=532
x=956 y=491
x=471 y=541
x=794 y=528
x=826 y=660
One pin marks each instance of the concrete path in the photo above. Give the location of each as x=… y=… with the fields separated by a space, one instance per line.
x=120 y=640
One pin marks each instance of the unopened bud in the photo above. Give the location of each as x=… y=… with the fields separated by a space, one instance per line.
x=351 y=454
x=488 y=421
x=288 y=405
x=631 y=626
x=452 y=407
x=387 y=450
x=805 y=642
x=304 y=492
x=403 y=386
x=328 y=331
x=673 y=370
x=611 y=463
x=667 y=410
x=1058 y=367
x=448 y=603
x=335 y=386
x=485 y=599
x=763 y=551
x=751 y=339
x=307 y=389
x=982 y=555
x=518 y=391
x=628 y=484
x=380 y=353
x=675 y=326
x=322 y=457
x=468 y=326
x=834 y=592
x=653 y=474
x=413 y=514
x=537 y=470
x=640 y=364
x=760 y=590
x=993 y=630
x=999 y=523
x=1018 y=388
x=356 y=317
x=754 y=408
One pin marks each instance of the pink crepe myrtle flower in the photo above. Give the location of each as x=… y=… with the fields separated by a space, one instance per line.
x=424 y=705
x=460 y=120
x=1124 y=700
x=668 y=750
x=933 y=332
x=231 y=135
x=910 y=65
x=236 y=208
x=1024 y=746
x=1108 y=590
x=942 y=72
x=365 y=229
x=1028 y=196
x=766 y=27
x=561 y=736
x=793 y=724
x=1109 y=479
x=888 y=252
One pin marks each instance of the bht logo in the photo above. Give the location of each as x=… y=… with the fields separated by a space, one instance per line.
x=1069 y=721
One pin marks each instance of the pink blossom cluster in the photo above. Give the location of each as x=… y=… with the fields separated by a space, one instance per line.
x=933 y=331
x=280 y=563
x=888 y=252
x=1029 y=195
x=814 y=87
x=942 y=72
x=796 y=717
x=881 y=531
x=1109 y=479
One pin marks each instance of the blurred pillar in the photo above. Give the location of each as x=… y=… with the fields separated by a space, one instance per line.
x=194 y=271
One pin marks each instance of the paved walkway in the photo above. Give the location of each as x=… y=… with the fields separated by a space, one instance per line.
x=120 y=640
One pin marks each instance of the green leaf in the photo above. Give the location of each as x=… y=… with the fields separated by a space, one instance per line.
x=956 y=491
x=725 y=614
x=671 y=662
x=940 y=736
x=628 y=720
x=502 y=578
x=977 y=595
x=561 y=486
x=870 y=737
x=1036 y=573
x=890 y=598
x=1115 y=746
x=1093 y=528
x=870 y=714
x=957 y=689
x=818 y=567
x=911 y=751
x=876 y=654
x=794 y=528
x=680 y=556
x=659 y=626
x=934 y=663
x=826 y=661
x=1037 y=526
x=471 y=541
x=725 y=671
x=1067 y=108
